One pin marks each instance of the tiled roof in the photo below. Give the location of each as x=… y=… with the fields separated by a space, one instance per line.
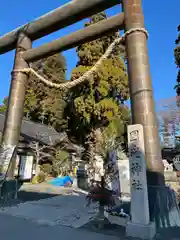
x=37 y=131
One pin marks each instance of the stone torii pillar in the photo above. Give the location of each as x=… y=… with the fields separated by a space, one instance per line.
x=14 y=114
x=141 y=92
x=163 y=207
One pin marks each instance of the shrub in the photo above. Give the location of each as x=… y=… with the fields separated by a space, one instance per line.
x=60 y=163
x=99 y=193
x=46 y=168
x=41 y=177
x=34 y=180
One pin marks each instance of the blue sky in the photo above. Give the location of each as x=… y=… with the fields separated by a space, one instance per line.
x=161 y=20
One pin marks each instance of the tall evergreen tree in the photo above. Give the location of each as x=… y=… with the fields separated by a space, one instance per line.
x=42 y=103
x=53 y=102
x=4 y=104
x=99 y=102
x=177 y=61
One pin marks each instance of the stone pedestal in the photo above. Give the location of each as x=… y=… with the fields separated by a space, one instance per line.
x=9 y=189
x=135 y=230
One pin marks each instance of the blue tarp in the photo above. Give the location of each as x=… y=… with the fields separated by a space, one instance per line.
x=61 y=181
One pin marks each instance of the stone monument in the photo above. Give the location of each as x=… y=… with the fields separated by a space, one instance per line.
x=140 y=225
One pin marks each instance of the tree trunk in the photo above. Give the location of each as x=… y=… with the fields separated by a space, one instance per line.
x=166 y=132
x=90 y=158
x=37 y=160
x=94 y=141
x=101 y=213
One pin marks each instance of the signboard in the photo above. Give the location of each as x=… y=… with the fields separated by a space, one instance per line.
x=26 y=167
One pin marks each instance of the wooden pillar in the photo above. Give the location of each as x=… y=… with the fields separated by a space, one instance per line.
x=141 y=93
x=14 y=114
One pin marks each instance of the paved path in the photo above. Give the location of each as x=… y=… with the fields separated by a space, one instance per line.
x=67 y=209
x=12 y=228
x=50 y=213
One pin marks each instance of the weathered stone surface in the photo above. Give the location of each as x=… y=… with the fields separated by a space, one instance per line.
x=141 y=231
x=138 y=179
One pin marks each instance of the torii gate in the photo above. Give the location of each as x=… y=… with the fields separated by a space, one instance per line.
x=141 y=93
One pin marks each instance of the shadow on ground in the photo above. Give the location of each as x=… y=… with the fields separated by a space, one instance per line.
x=25 y=196
x=171 y=233
x=26 y=193
x=112 y=230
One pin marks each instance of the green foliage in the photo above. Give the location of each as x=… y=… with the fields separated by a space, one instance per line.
x=60 y=164
x=41 y=177
x=62 y=155
x=42 y=103
x=3 y=107
x=54 y=102
x=46 y=168
x=177 y=61
x=30 y=103
x=177 y=48
x=98 y=103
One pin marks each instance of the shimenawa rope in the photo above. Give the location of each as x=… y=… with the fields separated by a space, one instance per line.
x=89 y=73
